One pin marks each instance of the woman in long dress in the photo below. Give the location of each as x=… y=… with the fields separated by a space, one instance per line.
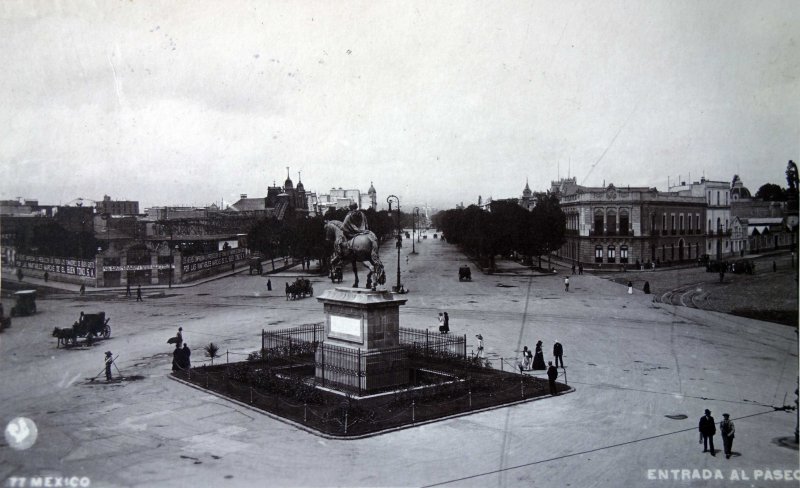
x=538 y=357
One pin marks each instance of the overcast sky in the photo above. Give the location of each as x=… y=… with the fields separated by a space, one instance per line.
x=439 y=102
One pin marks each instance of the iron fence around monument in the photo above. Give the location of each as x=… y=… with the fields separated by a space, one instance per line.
x=428 y=344
x=349 y=369
x=292 y=341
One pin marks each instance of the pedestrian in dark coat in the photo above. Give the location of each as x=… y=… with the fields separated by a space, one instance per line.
x=186 y=355
x=139 y=293
x=538 y=357
x=446 y=325
x=707 y=428
x=269 y=285
x=566 y=283
x=128 y=290
x=109 y=361
x=558 y=353
x=176 y=358
x=552 y=374
x=573 y=269
x=179 y=337
x=580 y=268
x=726 y=430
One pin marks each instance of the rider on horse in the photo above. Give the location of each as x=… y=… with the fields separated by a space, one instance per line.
x=355 y=223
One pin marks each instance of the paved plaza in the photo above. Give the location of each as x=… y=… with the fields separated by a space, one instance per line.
x=643 y=373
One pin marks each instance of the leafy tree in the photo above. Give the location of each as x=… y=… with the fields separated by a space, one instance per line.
x=792 y=181
x=770 y=192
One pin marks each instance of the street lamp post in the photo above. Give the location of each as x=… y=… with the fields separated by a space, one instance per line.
x=419 y=224
x=399 y=238
x=413 y=229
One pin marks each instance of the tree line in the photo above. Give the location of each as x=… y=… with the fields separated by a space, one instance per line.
x=505 y=228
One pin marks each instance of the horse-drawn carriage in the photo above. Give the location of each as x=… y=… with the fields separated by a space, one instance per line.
x=464 y=273
x=26 y=303
x=299 y=289
x=336 y=274
x=90 y=326
x=254 y=262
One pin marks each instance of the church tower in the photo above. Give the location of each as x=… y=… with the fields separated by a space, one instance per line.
x=373 y=197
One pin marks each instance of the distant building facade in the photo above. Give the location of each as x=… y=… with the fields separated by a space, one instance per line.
x=117 y=207
x=625 y=225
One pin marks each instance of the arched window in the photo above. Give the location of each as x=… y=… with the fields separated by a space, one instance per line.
x=598 y=254
x=624 y=222
x=612 y=254
x=623 y=254
x=611 y=222
x=598 y=222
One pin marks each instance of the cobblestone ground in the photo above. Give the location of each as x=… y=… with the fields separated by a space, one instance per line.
x=766 y=295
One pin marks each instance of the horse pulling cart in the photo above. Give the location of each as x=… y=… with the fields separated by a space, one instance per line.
x=90 y=326
x=336 y=274
x=299 y=289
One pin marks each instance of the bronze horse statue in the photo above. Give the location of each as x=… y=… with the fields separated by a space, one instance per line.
x=361 y=248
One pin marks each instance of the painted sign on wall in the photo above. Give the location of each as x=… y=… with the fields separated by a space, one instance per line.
x=67 y=266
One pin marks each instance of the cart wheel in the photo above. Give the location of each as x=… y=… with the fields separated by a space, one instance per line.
x=106 y=332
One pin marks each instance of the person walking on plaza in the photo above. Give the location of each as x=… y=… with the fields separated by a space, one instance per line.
x=480 y=346
x=707 y=428
x=269 y=285
x=83 y=289
x=177 y=358
x=138 y=293
x=552 y=374
x=179 y=337
x=128 y=290
x=441 y=323
x=527 y=358
x=558 y=353
x=47 y=276
x=109 y=361
x=726 y=430
x=630 y=288
x=446 y=325
x=580 y=268
x=186 y=355
x=538 y=358
x=566 y=283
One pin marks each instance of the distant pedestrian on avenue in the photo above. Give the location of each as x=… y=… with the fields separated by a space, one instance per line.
x=580 y=268
x=138 y=293
x=128 y=290
x=19 y=274
x=441 y=322
x=726 y=430
x=47 y=275
x=558 y=353
x=108 y=361
x=179 y=337
x=566 y=283
x=83 y=289
x=630 y=288
x=480 y=346
x=552 y=374
x=269 y=285
x=446 y=323
x=707 y=429
x=538 y=357
x=573 y=268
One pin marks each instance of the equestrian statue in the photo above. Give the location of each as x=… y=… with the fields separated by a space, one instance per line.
x=353 y=241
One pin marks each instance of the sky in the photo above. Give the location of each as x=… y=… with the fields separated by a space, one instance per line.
x=439 y=102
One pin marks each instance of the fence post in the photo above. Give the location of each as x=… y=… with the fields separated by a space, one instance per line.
x=426 y=341
x=251 y=395
x=322 y=355
x=263 y=346
x=413 y=411
x=226 y=356
x=470 y=398
x=501 y=364
x=345 y=421
x=521 y=387
x=305 y=412
x=358 y=375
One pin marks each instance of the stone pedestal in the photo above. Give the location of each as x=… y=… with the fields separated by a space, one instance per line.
x=361 y=351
